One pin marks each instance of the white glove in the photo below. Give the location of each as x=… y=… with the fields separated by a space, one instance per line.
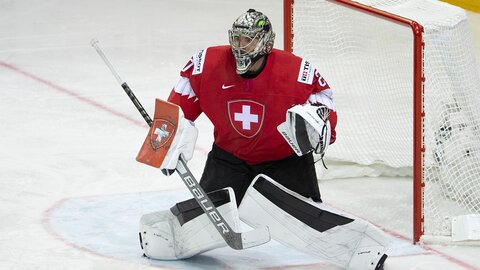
x=183 y=144
x=307 y=128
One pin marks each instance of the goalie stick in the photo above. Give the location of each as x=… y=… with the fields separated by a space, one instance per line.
x=236 y=240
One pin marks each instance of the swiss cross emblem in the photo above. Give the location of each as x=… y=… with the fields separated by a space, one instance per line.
x=246 y=116
x=161 y=133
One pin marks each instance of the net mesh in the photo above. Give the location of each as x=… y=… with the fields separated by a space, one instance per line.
x=368 y=62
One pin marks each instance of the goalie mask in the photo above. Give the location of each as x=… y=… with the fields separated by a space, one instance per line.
x=251 y=37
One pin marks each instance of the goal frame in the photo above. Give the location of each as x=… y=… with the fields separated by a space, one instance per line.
x=418 y=93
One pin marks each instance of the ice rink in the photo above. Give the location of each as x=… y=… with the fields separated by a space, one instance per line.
x=71 y=192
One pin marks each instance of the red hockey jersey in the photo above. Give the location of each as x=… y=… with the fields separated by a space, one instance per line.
x=246 y=112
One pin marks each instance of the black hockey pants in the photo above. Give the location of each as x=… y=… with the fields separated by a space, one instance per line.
x=223 y=169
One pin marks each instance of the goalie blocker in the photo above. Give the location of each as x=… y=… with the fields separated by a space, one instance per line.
x=170 y=136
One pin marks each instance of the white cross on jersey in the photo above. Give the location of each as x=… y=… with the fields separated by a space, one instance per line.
x=246 y=117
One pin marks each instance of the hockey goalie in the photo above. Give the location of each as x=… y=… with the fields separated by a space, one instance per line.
x=271 y=112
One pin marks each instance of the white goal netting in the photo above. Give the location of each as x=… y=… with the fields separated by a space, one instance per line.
x=368 y=62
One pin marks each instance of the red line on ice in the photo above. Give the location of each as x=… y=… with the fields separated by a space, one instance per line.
x=71 y=93
x=77 y=96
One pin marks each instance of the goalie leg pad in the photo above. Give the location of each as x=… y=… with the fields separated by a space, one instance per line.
x=185 y=230
x=313 y=228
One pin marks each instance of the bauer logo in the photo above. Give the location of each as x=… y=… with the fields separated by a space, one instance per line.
x=198 y=60
x=291 y=143
x=205 y=203
x=305 y=74
x=161 y=133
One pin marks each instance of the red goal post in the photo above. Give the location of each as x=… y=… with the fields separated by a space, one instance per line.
x=417 y=90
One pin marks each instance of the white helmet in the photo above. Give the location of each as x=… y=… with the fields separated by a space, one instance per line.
x=256 y=28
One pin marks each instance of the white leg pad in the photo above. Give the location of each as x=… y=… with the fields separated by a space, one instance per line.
x=313 y=228
x=165 y=236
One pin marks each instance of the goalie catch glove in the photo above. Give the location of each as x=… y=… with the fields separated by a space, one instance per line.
x=307 y=128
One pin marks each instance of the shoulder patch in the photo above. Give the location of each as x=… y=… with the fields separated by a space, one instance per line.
x=198 y=61
x=306 y=72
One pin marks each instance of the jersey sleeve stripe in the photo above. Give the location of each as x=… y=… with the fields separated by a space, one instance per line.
x=184 y=88
x=188 y=66
x=325 y=97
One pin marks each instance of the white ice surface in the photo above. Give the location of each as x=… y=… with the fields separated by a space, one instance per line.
x=71 y=192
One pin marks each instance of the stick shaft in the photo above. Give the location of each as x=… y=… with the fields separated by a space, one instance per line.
x=124 y=85
x=94 y=43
